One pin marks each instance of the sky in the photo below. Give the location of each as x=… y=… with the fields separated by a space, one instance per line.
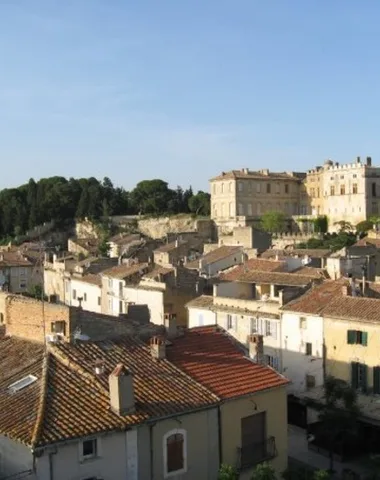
x=184 y=89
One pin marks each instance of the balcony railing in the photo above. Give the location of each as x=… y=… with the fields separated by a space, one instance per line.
x=254 y=453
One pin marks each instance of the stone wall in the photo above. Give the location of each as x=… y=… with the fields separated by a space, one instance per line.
x=162 y=226
x=284 y=240
x=85 y=229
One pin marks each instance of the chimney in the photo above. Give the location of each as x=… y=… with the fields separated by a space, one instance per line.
x=158 y=348
x=369 y=161
x=171 y=324
x=122 y=400
x=345 y=291
x=256 y=348
x=357 y=159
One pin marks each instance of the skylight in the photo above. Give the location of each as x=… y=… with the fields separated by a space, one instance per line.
x=20 y=384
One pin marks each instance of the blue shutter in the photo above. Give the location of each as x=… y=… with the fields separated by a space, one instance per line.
x=364 y=338
x=351 y=337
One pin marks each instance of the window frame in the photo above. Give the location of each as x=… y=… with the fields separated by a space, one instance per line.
x=97 y=451
x=175 y=431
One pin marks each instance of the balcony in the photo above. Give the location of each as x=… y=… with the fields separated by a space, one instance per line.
x=254 y=453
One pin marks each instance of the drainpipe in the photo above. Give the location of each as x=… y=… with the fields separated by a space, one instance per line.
x=51 y=471
x=220 y=449
x=151 y=457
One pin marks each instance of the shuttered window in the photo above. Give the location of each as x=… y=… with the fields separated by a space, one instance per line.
x=376 y=379
x=357 y=337
x=359 y=376
x=354 y=375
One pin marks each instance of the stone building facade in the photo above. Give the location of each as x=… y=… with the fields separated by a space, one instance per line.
x=343 y=192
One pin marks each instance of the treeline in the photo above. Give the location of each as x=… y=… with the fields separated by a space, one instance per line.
x=62 y=200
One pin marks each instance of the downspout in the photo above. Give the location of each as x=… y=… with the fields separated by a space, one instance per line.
x=151 y=458
x=51 y=471
x=220 y=449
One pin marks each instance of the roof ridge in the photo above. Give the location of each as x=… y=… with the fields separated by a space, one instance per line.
x=42 y=402
x=74 y=366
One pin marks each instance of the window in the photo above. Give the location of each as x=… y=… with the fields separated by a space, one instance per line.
x=222 y=188
x=342 y=189
x=332 y=191
x=110 y=283
x=354 y=175
x=342 y=177
x=58 y=326
x=120 y=306
x=85 y=297
x=22 y=271
x=74 y=294
x=359 y=376
x=355 y=188
x=268 y=188
x=357 y=337
x=241 y=209
x=277 y=188
x=253 y=322
x=271 y=361
x=175 y=455
x=229 y=322
x=89 y=449
x=270 y=329
x=258 y=208
x=253 y=445
x=22 y=284
x=312 y=192
x=374 y=189
x=303 y=323
x=249 y=209
x=318 y=192
x=231 y=208
x=376 y=379
x=258 y=187
x=230 y=186
x=309 y=349
x=240 y=186
x=99 y=301
x=286 y=188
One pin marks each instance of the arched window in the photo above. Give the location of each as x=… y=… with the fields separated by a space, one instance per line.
x=175 y=455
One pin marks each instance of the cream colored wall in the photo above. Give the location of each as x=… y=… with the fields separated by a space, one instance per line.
x=93 y=292
x=54 y=284
x=223 y=193
x=202 y=445
x=274 y=403
x=339 y=354
x=20 y=279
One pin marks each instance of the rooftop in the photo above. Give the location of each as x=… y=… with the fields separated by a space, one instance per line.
x=215 y=255
x=314 y=301
x=68 y=400
x=257 y=264
x=297 y=252
x=245 y=173
x=14 y=259
x=122 y=272
x=354 y=308
x=125 y=238
x=89 y=278
x=168 y=247
x=272 y=278
x=214 y=359
x=157 y=271
x=368 y=241
x=312 y=272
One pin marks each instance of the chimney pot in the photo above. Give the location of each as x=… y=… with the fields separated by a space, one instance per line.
x=122 y=400
x=171 y=324
x=158 y=348
x=256 y=348
x=345 y=291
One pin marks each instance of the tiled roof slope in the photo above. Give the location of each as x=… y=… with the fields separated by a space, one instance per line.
x=69 y=401
x=240 y=174
x=274 y=278
x=211 y=357
x=253 y=264
x=354 y=308
x=293 y=252
x=363 y=242
x=14 y=259
x=168 y=247
x=215 y=255
x=124 y=271
x=312 y=272
x=314 y=301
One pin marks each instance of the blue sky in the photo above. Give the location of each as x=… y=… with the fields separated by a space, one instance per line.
x=181 y=90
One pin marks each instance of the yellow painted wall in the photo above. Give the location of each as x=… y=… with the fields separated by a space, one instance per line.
x=274 y=402
x=339 y=354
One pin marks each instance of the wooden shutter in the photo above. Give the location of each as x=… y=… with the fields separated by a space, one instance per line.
x=376 y=379
x=253 y=429
x=351 y=337
x=174 y=446
x=364 y=338
x=354 y=374
x=363 y=377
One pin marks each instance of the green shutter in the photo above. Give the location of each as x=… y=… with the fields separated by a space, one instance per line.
x=364 y=338
x=351 y=337
x=354 y=374
x=363 y=375
x=376 y=379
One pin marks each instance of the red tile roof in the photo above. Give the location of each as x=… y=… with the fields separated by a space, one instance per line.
x=14 y=259
x=122 y=272
x=215 y=255
x=253 y=264
x=212 y=357
x=368 y=241
x=272 y=278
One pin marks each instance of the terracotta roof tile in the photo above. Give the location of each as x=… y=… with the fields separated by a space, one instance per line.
x=315 y=300
x=89 y=278
x=274 y=278
x=14 y=259
x=69 y=400
x=251 y=265
x=297 y=252
x=312 y=272
x=354 y=308
x=215 y=255
x=204 y=301
x=168 y=247
x=212 y=358
x=124 y=239
x=157 y=271
x=368 y=241
x=124 y=271
x=240 y=174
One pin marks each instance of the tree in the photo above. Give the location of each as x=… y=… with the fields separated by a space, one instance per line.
x=227 y=472
x=364 y=226
x=264 y=471
x=200 y=203
x=344 y=227
x=104 y=247
x=321 y=224
x=338 y=416
x=151 y=196
x=273 y=221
